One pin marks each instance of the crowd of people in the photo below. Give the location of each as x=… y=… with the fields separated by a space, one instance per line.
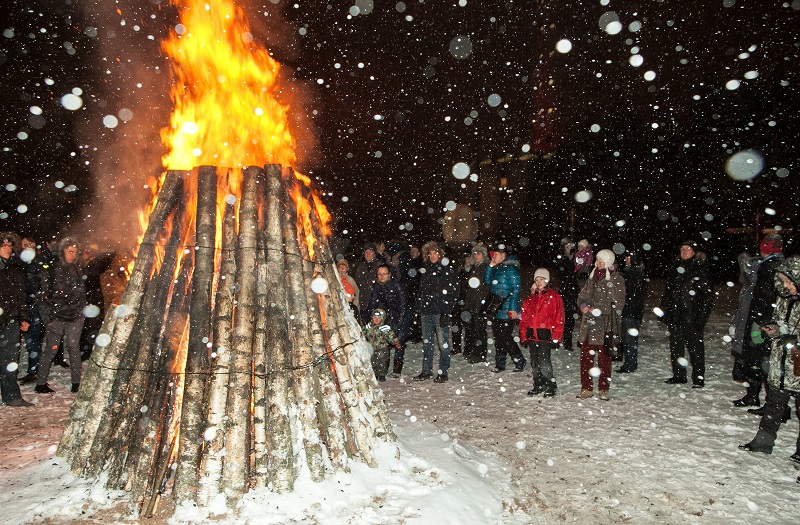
x=50 y=297
x=593 y=301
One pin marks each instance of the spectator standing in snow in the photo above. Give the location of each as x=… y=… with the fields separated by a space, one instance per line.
x=437 y=298
x=686 y=306
x=600 y=301
x=364 y=276
x=388 y=294
x=584 y=261
x=636 y=282
x=382 y=338
x=756 y=304
x=502 y=276
x=351 y=292
x=62 y=298
x=14 y=317
x=541 y=327
x=473 y=320
x=784 y=360
x=414 y=263
x=32 y=263
x=568 y=288
x=95 y=264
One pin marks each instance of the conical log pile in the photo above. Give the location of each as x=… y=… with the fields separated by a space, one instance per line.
x=223 y=366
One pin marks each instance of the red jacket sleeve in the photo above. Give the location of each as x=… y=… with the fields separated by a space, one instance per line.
x=557 y=316
x=526 y=317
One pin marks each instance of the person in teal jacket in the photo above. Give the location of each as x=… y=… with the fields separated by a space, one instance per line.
x=502 y=275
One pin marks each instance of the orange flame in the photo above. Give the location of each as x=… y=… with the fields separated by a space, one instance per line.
x=226 y=110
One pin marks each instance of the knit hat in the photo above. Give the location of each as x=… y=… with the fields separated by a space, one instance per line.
x=370 y=246
x=771 y=244
x=542 y=272
x=380 y=313
x=607 y=256
x=583 y=243
x=690 y=244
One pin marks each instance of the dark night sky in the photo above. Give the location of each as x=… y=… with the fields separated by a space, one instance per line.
x=657 y=161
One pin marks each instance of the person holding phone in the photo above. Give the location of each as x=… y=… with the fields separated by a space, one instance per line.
x=502 y=275
x=541 y=328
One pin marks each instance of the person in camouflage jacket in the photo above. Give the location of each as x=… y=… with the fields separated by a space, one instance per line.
x=784 y=363
x=381 y=336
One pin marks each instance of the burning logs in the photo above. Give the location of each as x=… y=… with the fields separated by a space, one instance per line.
x=223 y=360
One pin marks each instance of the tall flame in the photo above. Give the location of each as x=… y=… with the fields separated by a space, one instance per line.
x=226 y=109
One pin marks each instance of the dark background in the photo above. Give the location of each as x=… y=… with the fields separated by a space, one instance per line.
x=657 y=163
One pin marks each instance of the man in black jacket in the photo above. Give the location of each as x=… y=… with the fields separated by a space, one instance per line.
x=62 y=298
x=14 y=316
x=389 y=295
x=686 y=305
x=636 y=282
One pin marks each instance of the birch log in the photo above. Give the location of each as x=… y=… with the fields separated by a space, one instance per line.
x=276 y=462
x=302 y=363
x=192 y=424
x=211 y=466
x=235 y=470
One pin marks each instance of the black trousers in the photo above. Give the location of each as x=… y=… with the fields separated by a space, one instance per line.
x=771 y=421
x=504 y=344
x=475 y=338
x=687 y=337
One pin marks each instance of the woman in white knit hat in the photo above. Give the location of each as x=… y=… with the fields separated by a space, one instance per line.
x=600 y=302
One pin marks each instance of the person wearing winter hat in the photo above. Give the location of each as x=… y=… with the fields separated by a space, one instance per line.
x=382 y=338
x=756 y=304
x=541 y=328
x=686 y=305
x=600 y=302
x=784 y=360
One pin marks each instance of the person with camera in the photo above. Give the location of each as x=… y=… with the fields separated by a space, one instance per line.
x=783 y=375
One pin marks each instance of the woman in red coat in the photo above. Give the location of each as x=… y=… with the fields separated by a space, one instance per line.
x=541 y=327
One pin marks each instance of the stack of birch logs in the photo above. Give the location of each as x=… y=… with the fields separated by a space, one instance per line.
x=222 y=370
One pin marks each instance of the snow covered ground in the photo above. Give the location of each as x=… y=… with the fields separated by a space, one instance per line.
x=477 y=450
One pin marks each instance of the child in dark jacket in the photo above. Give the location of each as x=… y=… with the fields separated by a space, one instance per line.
x=381 y=336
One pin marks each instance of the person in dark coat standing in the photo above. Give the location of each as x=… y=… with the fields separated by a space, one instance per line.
x=14 y=317
x=389 y=295
x=502 y=275
x=32 y=263
x=686 y=306
x=568 y=288
x=636 y=283
x=364 y=275
x=757 y=302
x=541 y=328
x=62 y=299
x=473 y=320
x=95 y=264
x=437 y=298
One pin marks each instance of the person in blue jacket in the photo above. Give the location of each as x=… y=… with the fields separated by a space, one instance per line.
x=502 y=275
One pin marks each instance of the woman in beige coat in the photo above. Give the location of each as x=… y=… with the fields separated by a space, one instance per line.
x=600 y=302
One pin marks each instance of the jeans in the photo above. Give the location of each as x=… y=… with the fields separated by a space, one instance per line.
x=33 y=339
x=70 y=331
x=9 y=353
x=433 y=333
x=630 y=343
